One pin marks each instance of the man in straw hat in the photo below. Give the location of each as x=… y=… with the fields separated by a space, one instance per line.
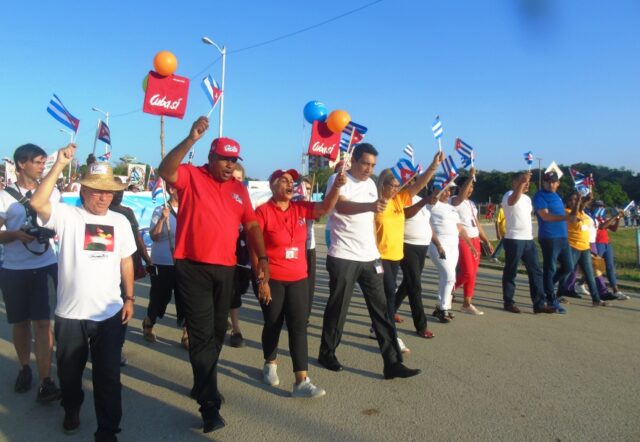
x=96 y=245
x=212 y=206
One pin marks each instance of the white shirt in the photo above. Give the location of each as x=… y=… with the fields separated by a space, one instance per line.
x=161 y=250
x=444 y=222
x=353 y=236
x=518 y=217
x=311 y=235
x=593 y=229
x=417 y=230
x=16 y=255
x=468 y=217
x=91 y=249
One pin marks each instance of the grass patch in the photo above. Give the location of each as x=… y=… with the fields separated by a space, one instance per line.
x=626 y=253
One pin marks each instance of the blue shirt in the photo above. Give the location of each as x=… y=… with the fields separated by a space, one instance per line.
x=553 y=203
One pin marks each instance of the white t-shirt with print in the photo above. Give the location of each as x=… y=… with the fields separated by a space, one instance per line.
x=468 y=217
x=16 y=255
x=444 y=222
x=161 y=250
x=353 y=236
x=91 y=249
x=518 y=217
x=417 y=229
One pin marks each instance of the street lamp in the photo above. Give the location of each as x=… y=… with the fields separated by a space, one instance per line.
x=223 y=53
x=95 y=140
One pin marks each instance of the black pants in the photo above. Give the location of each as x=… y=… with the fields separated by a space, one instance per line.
x=343 y=274
x=163 y=285
x=311 y=277
x=74 y=339
x=288 y=303
x=206 y=291
x=389 y=278
x=516 y=250
x=412 y=264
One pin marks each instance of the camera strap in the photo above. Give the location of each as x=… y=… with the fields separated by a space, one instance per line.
x=29 y=212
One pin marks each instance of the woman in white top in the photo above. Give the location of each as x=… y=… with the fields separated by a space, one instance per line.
x=469 y=259
x=446 y=231
x=162 y=230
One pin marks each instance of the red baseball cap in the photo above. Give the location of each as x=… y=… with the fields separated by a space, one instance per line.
x=225 y=147
x=278 y=173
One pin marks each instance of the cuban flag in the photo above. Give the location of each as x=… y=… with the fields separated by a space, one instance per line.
x=600 y=213
x=440 y=181
x=580 y=180
x=104 y=134
x=157 y=189
x=403 y=171
x=351 y=135
x=629 y=206
x=408 y=151
x=57 y=110
x=211 y=90
x=437 y=128
x=449 y=167
x=105 y=157
x=528 y=157
x=466 y=152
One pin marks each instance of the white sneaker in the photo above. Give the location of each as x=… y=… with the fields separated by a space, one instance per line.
x=621 y=296
x=403 y=348
x=306 y=389
x=581 y=289
x=372 y=333
x=270 y=374
x=471 y=310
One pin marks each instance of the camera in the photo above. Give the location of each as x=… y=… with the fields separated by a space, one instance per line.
x=42 y=234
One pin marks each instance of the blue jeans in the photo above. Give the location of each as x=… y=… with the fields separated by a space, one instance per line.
x=582 y=258
x=555 y=250
x=74 y=339
x=525 y=250
x=606 y=251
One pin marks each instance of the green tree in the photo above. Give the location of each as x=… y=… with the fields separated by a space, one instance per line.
x=612 y=194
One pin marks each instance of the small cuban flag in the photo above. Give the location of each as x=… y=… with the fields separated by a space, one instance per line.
x=449 y=167
x=408 y=151
x=466 y=153
x=440 y=181
x=157 y=189
x=351 y=135
x=403 y=171
x=211 y=90
x=437 y=128
x=528 y=157
x=57 y=110
x=104 y=134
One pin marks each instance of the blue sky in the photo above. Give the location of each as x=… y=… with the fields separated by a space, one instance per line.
x=559 y=78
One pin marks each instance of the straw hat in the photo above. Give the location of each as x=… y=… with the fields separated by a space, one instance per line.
x=99 y=176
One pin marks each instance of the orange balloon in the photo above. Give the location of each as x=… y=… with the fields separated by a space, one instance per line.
x=338 y=120
x=165 y=63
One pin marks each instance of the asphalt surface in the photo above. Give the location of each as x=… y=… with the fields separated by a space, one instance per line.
x=501 y=376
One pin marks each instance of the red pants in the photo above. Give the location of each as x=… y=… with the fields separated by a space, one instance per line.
x=467 y=266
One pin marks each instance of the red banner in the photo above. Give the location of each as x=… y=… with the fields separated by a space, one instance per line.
x=324 y=143
x=166 y=95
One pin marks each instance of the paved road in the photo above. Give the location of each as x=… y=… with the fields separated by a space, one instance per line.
x=497 y=377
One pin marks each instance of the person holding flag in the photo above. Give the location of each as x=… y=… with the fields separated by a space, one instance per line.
x=398 y=192
x=469 y=261
x=603 y=245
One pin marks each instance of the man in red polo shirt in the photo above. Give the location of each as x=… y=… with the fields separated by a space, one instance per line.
x=212 y=205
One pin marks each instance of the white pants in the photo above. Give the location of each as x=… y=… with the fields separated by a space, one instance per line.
x=446 y=268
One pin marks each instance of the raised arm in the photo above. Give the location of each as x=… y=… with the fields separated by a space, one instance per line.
x=464 y=190
x=331 y=198
x=168 y=168
x=411 y=211
x=423 y=179
x=518 y=191
x=40 y=199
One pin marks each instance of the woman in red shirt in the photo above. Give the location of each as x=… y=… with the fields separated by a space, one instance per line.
x=284 y=298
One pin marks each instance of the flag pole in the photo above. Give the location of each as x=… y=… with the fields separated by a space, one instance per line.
x=95 y=139
x=224 y=63
x=210 y=110
x=439 y=144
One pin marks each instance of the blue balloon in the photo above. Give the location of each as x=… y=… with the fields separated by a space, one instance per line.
x=315 y=111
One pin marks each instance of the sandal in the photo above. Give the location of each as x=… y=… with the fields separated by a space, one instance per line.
x=147 y=330
x=441 y=315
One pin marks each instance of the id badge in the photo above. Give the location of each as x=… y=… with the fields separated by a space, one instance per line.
x=291 y=253
x=378 y=265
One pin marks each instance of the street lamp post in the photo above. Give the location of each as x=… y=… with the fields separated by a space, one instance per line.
x=539 y=172
x=95 y=140
x=223 y=53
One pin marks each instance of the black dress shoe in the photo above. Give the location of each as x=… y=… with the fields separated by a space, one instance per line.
x=330 y=362
x=545 y=309
x=71 y=421
x=400 y=371
x=212 y=421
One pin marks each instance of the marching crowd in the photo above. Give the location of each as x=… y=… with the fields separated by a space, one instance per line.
x=210 y=245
